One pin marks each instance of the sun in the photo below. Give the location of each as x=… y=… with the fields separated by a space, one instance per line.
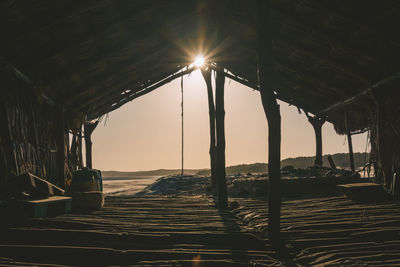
x=199 y=61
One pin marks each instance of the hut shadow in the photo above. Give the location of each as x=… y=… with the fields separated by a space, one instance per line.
x=233 y=228
x=277 y=254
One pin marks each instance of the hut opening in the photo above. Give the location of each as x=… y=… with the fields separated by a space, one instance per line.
x=63 y=66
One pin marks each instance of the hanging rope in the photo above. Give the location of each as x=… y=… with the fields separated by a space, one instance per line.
x=182 y=120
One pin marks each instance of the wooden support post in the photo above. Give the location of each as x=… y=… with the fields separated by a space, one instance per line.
x=7 y=159
x=88 y=130
x=351 y=155
x=220 y=127
x=80 y=156
x=384 y=140
x=272 y=112
x=211 y=111
x=350 y=142
x=331 y=162
x=317 y=124
x=74 y=151
x=61 y=156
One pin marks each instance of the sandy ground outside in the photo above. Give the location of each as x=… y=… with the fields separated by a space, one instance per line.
x=160 y=227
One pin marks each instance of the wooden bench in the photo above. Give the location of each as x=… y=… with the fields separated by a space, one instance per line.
x=82 y=201
x=48 y=207
x=364 y=192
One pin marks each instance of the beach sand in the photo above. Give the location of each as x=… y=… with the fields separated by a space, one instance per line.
x=157 y=226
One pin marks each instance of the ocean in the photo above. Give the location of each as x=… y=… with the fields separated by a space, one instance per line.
x=126 y=186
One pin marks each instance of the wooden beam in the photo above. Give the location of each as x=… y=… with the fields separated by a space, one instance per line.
x=11 y=68
x=137 y=94
x=20 y=75
x=125 y=70
x=106 y=94
x=220 y=130
x=287 y=71
x=254 y=86
x=272 y=112
x=356 y=97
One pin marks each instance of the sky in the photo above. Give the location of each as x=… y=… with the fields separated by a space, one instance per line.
x=145 y=134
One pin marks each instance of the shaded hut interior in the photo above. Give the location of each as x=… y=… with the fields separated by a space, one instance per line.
x=64 y=63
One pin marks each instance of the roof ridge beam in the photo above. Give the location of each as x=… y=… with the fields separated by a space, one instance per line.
x=355 y=97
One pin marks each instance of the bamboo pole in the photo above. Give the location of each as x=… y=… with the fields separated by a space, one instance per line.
x=272 y=112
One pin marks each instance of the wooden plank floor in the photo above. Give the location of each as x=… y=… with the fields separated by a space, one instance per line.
x=137 y=231
x=332 y=230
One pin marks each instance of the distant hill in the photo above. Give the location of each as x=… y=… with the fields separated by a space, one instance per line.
x=341 y=160
x=242 y=168
x=159 y=172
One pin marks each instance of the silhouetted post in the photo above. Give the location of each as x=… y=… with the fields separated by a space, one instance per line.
x=220 y=126
x=351 y=151
x=80 y=156
x=211 y=111
x=61 y=157
x=88 y=130
x=331 y=162
x=74 y=151
x=384 y=138
x=350 y=143
x=7 y=160
x=272 y=112
x=317 y=124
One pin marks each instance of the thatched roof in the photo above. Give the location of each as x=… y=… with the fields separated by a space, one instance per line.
x=90 y=56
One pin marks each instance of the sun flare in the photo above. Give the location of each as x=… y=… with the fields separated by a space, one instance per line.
x=199 y=61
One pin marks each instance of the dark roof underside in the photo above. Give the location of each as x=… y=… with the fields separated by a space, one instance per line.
x=91 y=55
